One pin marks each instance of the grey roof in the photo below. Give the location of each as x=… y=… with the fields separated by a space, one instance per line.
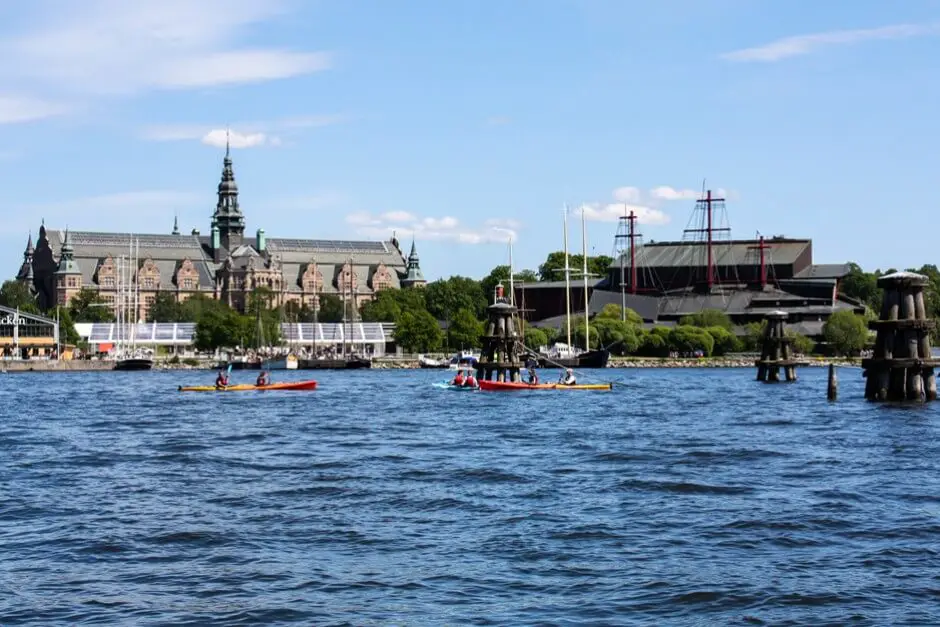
x=823 y=271
x=646 y=306
x=576 y=282
x=168 y=252
x=727 y=252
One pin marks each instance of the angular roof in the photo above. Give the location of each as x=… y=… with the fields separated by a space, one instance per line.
x=724 y=253
x=823 y=271
x=169 y=251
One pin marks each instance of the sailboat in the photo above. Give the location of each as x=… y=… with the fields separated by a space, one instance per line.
x=567 y=355
x=129 y=355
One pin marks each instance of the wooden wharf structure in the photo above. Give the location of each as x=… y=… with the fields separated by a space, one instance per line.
x=776 y=352
x=501 y=355
x=901 y=368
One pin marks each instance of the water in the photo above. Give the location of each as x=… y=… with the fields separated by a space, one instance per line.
x=684 y=497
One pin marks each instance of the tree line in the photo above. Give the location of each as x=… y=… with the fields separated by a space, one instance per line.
x=448 y=314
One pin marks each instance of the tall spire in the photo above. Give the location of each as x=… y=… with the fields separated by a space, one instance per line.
x=228 y=215
x=414 y=277
x=26 y=270
x=176 y=225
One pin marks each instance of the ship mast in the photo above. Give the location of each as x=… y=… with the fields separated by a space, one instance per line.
x=567 y=283
x=584 y=272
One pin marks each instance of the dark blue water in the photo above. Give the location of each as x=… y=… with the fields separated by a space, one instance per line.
x=683 y=497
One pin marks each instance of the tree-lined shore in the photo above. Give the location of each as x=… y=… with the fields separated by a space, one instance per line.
x=448 y=314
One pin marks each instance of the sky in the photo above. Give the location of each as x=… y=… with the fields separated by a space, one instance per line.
x=464 y=123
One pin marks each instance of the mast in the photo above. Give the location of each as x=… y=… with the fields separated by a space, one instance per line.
x=584 y=272
x=316 y=307
x=512 y=292
x=567 y=282
x=633 y=235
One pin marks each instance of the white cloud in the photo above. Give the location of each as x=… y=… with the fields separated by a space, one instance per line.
x=398 y=216
x=664 y=192
x=221 y=137
x=627 y=194
x=445 y=228
x=611 y=212
x=806 y=44
x=250 y=134
x=18 y=109
x=71 y=51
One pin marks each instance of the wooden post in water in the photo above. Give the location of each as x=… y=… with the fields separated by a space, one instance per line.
x=902 y=368
x=500 y=357
x=776 y=352
x=832 y=390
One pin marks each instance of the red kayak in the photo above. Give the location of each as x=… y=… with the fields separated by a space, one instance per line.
x=507 y=386
x=287 y=385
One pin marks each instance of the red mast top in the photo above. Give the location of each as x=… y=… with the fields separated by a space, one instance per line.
x=633 y=234
x=762 y=246
x=709 y=230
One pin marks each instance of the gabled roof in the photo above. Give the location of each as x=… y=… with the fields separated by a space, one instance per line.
x=724 y=253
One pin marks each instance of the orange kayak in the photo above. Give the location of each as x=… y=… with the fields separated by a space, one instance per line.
x=506 y=386
x=287 y=385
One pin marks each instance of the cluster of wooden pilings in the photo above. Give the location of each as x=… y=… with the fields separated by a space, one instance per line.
x=901 y=368
x=500 y=358
x=776 y=351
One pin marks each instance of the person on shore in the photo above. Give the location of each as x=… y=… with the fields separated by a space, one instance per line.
x=221 y=381
x=569 y=378
x=263 y=379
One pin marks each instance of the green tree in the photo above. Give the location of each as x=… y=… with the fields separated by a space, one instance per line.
x=164 y=308
x=862 y=286
x=536 y=338
x=88 y=306
x=67 y=332
x=331 y=308
x=465 y=330
x=846 y=332
x=446 y=296
x=724 y=341
x=801 y=344
x=194 y=307
x=708 y=318
x=655 y=343
x=619 y=337
x=553 y=268
x=687 y=339
x=577 y=335
x=613 y=311
x=221 y=329
x=16 y=295
x=753 y=336
x=418 y=332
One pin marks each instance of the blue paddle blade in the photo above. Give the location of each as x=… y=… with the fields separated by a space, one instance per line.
x=229 y=371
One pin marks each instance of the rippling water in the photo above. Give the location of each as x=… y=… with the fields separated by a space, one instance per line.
x=682 y=497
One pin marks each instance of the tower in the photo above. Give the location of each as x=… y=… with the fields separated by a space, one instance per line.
x=176 y=225
x=501 y=355
x=228 y=216
x=25 y=275
x=68 y=276
x=414 y=278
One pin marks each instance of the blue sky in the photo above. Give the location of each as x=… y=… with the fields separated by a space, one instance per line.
x=453 y=120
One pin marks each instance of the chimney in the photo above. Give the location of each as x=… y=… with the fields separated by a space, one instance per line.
x=260 y=242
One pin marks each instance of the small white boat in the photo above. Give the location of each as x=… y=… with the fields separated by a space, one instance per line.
x=463 y=358
x=427 y=362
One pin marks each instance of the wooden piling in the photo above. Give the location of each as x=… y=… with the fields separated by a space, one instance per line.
x=776 y=351
x=500 y=358
x=832 y=389
x=902 y=368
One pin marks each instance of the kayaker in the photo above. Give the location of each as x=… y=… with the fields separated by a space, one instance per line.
x=458 y=380
x=221 y=381
x=470 y=381
x=531 y=365
x=569 y=378
x=263 y=379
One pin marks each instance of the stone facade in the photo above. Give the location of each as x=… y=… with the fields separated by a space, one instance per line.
x=223 y=265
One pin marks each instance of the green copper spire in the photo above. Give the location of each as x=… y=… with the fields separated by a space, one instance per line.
x=67 y=264
x=228 y=215
x=415 y=276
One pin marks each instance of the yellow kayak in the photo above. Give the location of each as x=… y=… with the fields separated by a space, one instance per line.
x=287 y=385
x=505 y=386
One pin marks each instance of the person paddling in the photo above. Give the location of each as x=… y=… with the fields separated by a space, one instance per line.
x=569 y=378
x=470 y=381
x=221 y=381
x=531 y=364
x=458 y=380
x=263 y=379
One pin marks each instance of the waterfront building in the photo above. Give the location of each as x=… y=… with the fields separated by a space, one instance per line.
x=224 y=265
x=665 y=281
x=27 y=336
